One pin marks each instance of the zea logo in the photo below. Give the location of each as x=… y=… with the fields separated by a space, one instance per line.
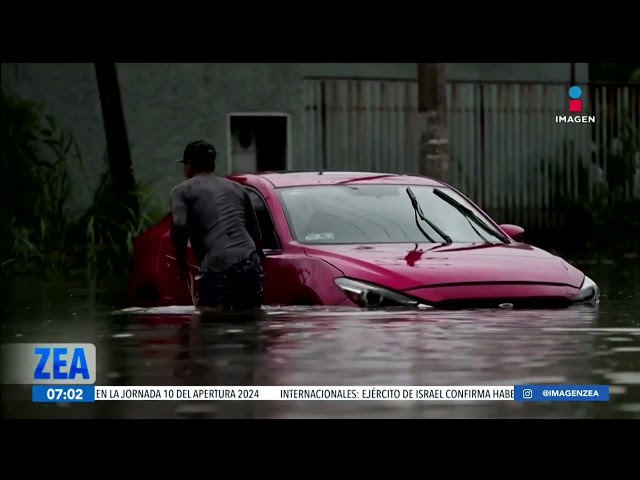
x=576 y=105
x=49 y=363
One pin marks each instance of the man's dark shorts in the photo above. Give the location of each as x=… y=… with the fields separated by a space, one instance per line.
x=237 y=288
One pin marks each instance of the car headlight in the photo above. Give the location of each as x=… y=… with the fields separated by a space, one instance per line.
x=367 y=295
x=589 y=292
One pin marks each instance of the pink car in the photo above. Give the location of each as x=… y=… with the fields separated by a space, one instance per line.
x=375 y=240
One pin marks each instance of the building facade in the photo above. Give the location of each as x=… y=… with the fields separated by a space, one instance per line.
x=300 y=116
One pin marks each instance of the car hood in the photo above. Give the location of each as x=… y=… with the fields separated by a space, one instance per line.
x=403 y=267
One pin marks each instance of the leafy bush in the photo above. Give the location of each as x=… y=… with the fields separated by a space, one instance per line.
x=38 y=232
x=109 y=227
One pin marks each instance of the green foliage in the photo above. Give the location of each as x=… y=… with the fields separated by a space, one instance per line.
x=38 y=232
x=34 y=183
x=110 y=227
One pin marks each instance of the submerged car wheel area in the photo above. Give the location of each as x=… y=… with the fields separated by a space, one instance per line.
x=374 y=240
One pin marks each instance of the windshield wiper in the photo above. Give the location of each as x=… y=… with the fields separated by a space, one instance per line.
x=470 y=215
x=418 y=211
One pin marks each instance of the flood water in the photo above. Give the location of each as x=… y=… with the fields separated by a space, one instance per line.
x=318 y=346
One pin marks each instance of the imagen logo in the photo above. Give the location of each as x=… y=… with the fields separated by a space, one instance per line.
x=576 y=106
x=49 y=363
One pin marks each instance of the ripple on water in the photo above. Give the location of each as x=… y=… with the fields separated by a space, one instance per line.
x=630 y=408
x=625 y=350
x=617 y=390
x=624 y=378
x=633 y=331
x=536 y=380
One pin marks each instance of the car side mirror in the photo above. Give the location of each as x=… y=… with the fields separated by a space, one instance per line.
x=514 y=231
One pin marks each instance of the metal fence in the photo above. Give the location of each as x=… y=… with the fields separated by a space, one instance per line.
x=508 y=152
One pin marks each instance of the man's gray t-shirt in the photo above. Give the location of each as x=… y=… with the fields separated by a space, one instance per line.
x=221 y=220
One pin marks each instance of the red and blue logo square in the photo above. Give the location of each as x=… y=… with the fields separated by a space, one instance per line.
x=575 y=102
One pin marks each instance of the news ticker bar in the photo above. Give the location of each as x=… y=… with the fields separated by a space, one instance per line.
x=518 y=393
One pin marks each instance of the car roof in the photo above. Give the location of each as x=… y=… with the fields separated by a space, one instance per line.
x=301 y=179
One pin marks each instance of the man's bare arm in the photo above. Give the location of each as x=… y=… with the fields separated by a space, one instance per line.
x=179 y=229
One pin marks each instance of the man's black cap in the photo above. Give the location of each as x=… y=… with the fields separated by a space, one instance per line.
x=199 y=153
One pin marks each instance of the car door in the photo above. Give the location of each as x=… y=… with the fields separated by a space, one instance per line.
x=282 y=282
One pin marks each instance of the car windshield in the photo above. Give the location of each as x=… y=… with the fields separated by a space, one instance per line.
x=367 y=214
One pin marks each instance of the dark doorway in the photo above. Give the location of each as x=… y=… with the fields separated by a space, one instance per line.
x=258 y=143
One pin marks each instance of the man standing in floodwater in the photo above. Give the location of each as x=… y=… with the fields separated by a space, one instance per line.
x=217 y=215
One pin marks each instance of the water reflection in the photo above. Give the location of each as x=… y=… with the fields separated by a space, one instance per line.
x=319 y=346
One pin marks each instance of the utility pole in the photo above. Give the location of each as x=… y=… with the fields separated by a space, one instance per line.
x=572 y=74
x=118 y=150
x=433 y=122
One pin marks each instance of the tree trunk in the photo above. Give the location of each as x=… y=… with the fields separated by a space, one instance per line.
x=118 y=152
x=433 y=122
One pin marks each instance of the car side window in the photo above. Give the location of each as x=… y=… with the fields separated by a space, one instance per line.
x=269 y=238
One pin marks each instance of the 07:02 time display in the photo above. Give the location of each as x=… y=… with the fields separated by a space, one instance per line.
x=65 y=394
